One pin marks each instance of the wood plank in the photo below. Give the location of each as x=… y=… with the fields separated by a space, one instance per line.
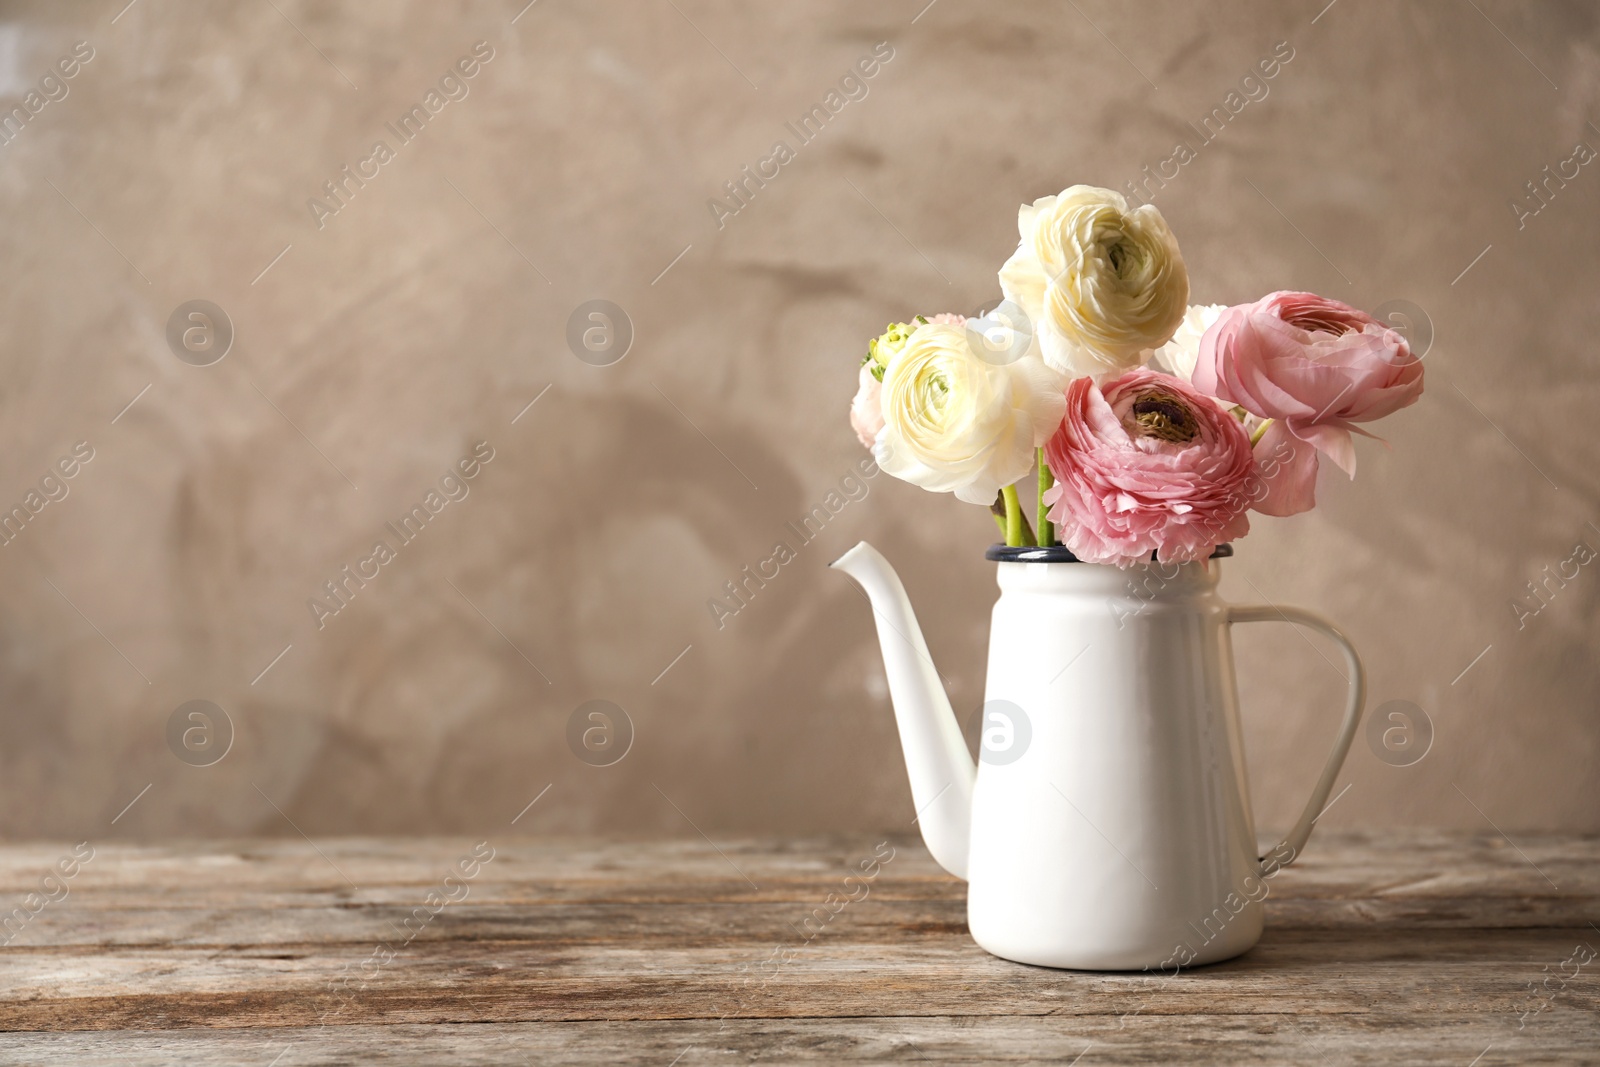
x=1349 y=865
x=1559 y=1037
x=451 y=983
x=79 y=924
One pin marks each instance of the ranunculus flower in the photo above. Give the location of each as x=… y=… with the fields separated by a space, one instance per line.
x=866 y=410
x=1147 y=464
x=1102 y=284
x=882 y=348
x=1177 y=357
x=1314 y=366
x=953 y=422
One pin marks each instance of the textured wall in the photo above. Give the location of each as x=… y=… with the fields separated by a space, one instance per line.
x=389 y=338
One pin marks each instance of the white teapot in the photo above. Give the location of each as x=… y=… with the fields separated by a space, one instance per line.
x=1107 y=825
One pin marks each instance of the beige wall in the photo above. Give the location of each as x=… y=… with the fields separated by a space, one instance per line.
x=424 y=315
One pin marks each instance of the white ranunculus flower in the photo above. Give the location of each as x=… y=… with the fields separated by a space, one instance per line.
x=955 y=423
x=1102 y=284
x=1178 y=356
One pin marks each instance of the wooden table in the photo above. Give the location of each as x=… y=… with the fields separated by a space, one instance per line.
x=1416 y=949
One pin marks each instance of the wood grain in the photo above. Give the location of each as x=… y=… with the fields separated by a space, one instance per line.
x=1415 y=948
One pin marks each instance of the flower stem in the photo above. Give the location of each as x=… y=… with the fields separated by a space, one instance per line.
x=1017 y=532
x=1261 y=432
x=1047 y=533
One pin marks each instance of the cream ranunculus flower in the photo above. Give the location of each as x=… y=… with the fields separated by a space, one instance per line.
x=1178 y=356
x=955 y=423
x=1102 y=284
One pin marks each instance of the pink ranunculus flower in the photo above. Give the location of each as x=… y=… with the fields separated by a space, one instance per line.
x=947 y=318
x=1314 y=366
x=1147 y=463
x=866 y=410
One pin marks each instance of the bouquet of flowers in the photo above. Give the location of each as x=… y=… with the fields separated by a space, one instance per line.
x=1153 y=427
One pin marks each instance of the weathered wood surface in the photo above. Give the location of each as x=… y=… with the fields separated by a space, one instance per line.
x=1414 y=949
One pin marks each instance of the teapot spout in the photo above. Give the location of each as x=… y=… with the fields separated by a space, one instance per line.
x=941 y=772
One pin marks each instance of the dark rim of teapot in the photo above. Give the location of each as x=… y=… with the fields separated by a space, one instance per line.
x=1062 y=554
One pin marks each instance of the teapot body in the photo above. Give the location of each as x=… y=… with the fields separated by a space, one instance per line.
x=1111 y=820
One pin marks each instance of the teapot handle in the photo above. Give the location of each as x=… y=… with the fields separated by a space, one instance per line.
x=1289 y=849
